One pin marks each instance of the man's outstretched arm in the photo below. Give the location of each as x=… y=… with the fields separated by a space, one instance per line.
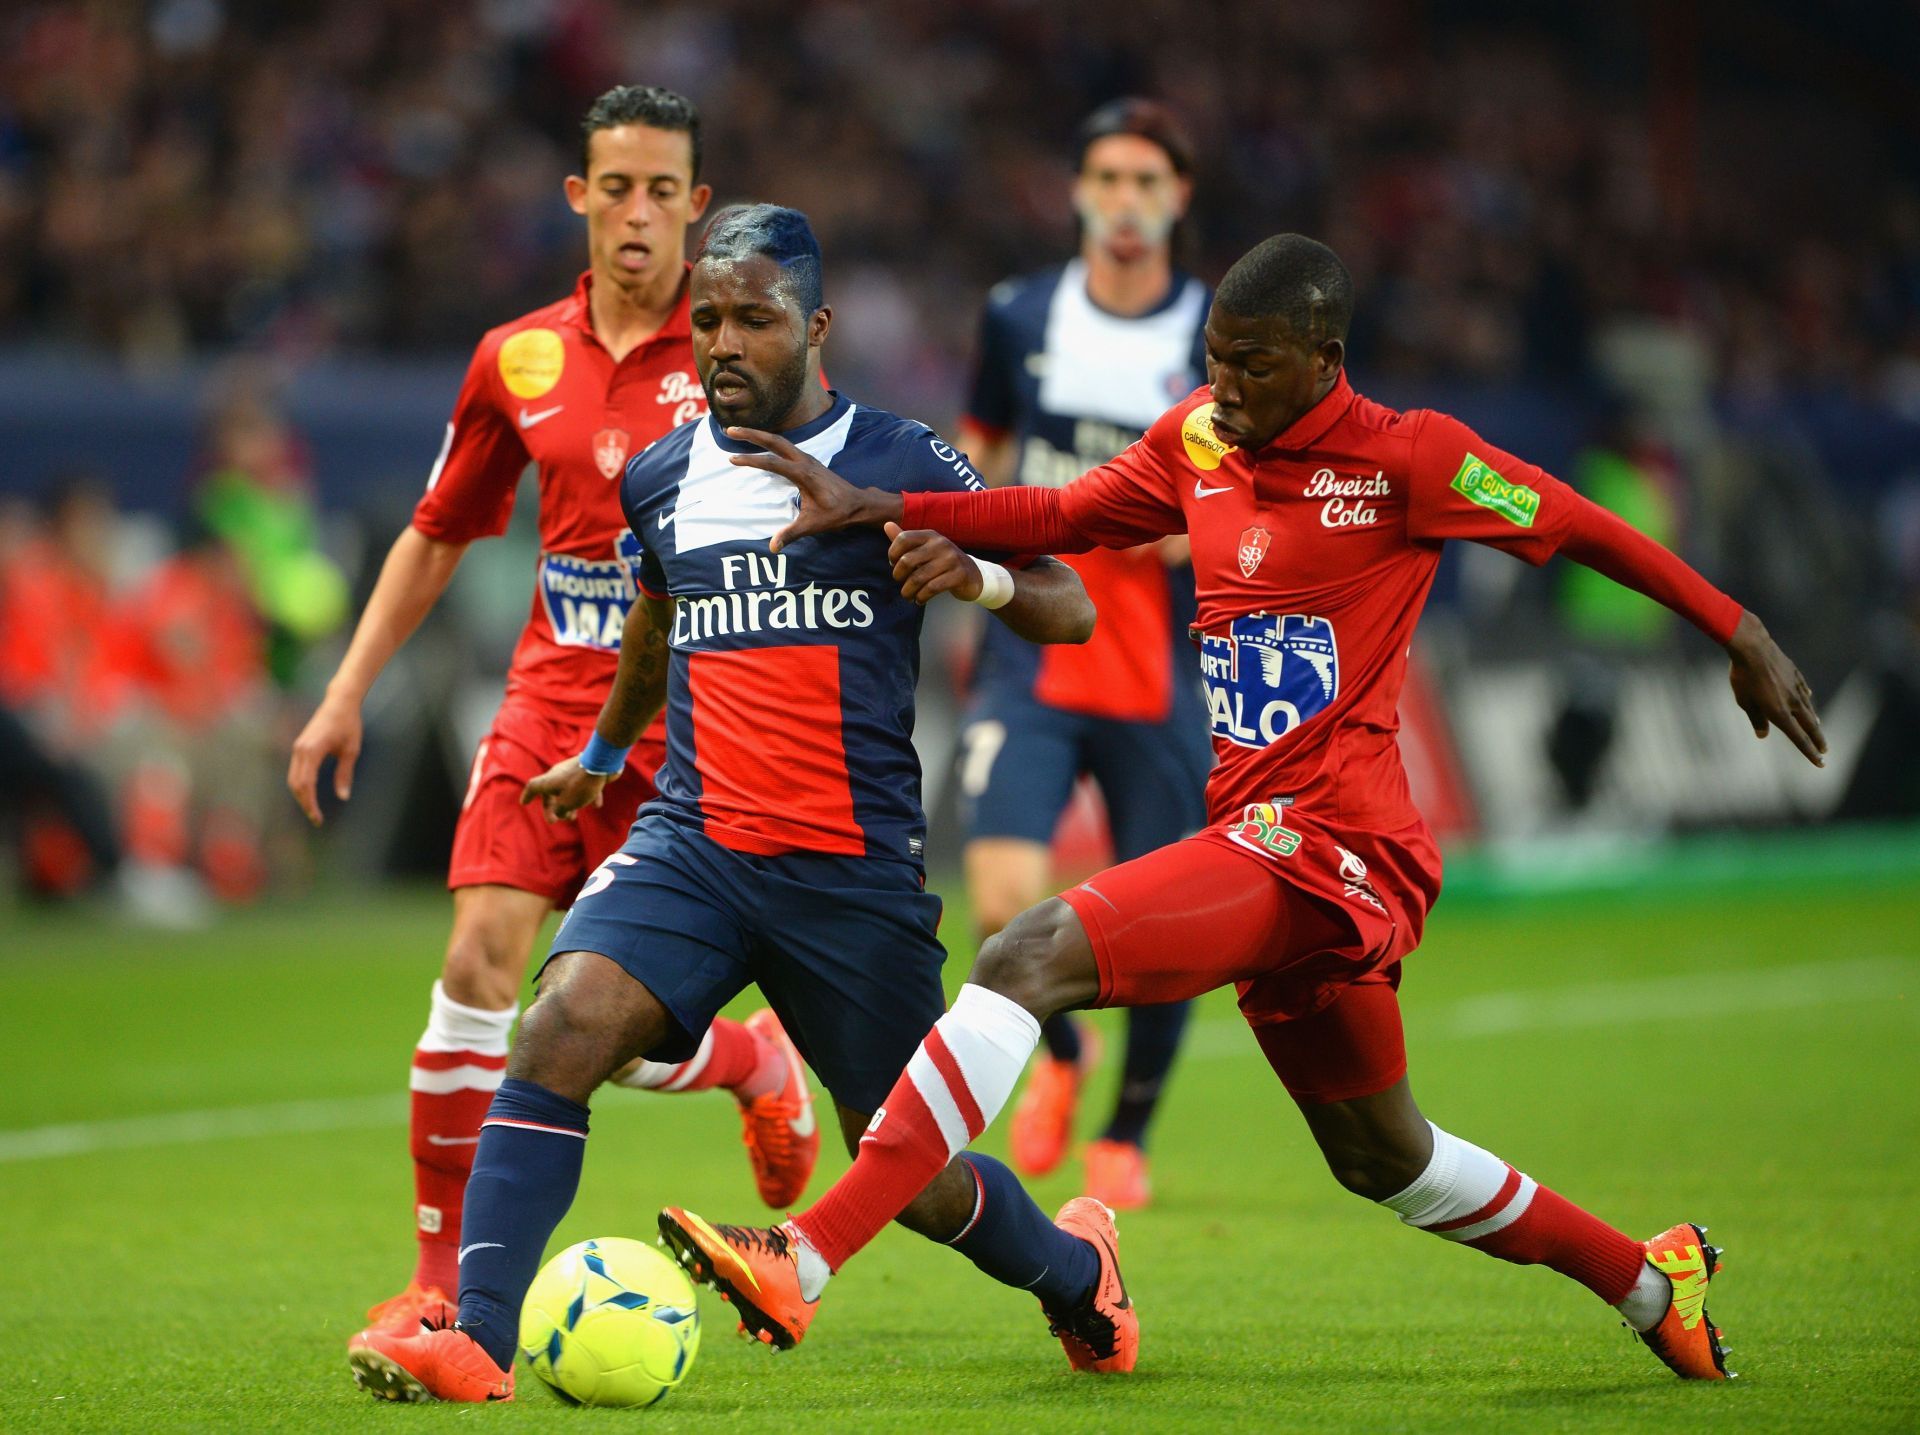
x=1766 y=684
x=639 y=691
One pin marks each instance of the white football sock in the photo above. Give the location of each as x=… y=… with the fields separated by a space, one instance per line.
x=814 y=1271
x=1462 y=1180
x=1647 y=1303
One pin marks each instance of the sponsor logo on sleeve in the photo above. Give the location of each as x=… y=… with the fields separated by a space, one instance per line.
x=1203 y=446
x=610 y=451
x=531 y=361
x=1514 y=502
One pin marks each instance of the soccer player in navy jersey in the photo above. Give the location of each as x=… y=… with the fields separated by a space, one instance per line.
x=785 y=846
x=1074 y=361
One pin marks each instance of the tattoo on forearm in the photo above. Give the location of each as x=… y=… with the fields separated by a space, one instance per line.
x=640 y=684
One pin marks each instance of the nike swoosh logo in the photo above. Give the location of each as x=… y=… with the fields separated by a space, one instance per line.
x=528 y=420
x=804 y=1124
x=453 y=1140
x=479 y=1246
x=666 y=518
x=1199 y=492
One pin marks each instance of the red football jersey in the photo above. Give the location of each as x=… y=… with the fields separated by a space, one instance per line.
x=542 y=390
x=1312 y=559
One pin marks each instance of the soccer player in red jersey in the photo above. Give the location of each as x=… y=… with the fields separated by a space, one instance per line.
x=575 y=388
x=1317 y=518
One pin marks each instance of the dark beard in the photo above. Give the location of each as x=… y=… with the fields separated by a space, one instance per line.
x=769 y=403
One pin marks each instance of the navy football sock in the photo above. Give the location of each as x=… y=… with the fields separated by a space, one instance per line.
x=1011 y=1239
x=1062 y=1036
x=524 y=1175
x=1153 y=1040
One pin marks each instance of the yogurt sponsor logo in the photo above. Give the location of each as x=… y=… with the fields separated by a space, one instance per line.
x=586 y=601
x=1345 y=503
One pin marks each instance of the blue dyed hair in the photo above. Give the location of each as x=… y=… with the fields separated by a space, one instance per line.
x=740 y=231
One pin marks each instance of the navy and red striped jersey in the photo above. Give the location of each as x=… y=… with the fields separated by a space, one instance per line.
x=791 y=684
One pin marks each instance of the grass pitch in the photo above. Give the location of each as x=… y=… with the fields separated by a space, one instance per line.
x=203 y=1182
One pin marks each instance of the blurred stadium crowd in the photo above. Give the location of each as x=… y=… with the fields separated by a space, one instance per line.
x=382 y=173
x=1713 y=201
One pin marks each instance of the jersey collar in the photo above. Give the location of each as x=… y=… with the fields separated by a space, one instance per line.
x=1312 y=426
x=820 y=425
x=679 y=324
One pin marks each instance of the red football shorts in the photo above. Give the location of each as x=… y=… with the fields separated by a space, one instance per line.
x=500 y=843
x=1308 y=923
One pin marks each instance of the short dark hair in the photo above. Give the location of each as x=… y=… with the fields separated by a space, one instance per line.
x=785 y=236
x=1149 y=119
x=1296 y=278
x=641 y=105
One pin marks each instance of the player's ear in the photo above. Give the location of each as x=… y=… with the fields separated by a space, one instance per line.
x=1328 y=358
x=698 y=201
x=818 y=325
x=576 y=193
x=1182 y=196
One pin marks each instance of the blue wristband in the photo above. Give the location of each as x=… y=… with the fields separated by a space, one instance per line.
x=602 y=758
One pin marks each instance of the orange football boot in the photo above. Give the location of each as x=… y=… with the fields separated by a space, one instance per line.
x=1117 y=1175
x=441 y=1362
x=1043 y=1121
x=405 y=1313
x=1686 y=1338
x=751 y=1266
x=1102 y=1333
x=781 y=1136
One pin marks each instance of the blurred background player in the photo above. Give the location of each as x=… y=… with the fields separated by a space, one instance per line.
x=575 y=388
x=1073 y=363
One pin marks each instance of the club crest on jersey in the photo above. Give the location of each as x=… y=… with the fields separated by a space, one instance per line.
x=531 y=361
x=1260 y=828
x=610 y=451
x=1268 y=674
x=1253 y=550
x=1204 y=447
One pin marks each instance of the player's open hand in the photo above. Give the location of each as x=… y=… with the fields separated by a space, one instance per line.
x=1771 y=691
x=334 y=731
x=927 y=564
x=564 y=789
x=827 y=501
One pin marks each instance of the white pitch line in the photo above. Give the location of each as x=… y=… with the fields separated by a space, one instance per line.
x=188 y=1128
x=1691 y=996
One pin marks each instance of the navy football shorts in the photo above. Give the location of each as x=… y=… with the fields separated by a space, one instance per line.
x=1019 y=760
x=843 y=948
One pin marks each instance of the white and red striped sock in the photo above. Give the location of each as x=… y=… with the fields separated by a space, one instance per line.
x=458 y=1065
x=730 y=1055
x=1473 y=1197
x=950 y=1092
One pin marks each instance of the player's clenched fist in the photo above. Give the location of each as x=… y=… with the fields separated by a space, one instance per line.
x=925 y=565
x=332 y=732
x=564 y=789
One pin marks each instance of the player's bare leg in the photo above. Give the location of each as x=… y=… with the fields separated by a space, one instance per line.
x=909 y=1155
x=1005 y=876
x=1381 y=1147
x=590 y=1018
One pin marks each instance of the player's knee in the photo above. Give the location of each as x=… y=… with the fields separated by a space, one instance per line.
x=1041 y=960
x=481 y=970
